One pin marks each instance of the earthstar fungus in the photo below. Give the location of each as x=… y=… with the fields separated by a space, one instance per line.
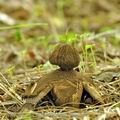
x=65 y=56
x=65 y=83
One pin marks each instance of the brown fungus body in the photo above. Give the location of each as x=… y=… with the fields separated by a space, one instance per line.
x=65 y=56
x=65 y=84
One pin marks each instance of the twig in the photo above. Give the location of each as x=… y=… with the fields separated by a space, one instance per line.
x=104 y=34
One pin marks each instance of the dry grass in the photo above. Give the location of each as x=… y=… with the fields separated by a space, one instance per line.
x=110 y=110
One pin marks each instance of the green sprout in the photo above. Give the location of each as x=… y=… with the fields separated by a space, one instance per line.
x=69 y=37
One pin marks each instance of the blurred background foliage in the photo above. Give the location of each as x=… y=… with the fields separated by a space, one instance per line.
x=64 y=15
x=31 y=28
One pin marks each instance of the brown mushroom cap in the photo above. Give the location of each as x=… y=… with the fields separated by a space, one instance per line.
x=65 y=56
